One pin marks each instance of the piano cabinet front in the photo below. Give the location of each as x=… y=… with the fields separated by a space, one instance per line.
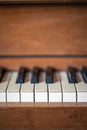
x=43 y=115
x=50 y=35
x=23 y=106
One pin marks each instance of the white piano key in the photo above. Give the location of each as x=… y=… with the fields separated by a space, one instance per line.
x=3 y=86
x=81 y=87
x=41 y=94
x=13 y=90
x=55 y=94
x=68 y=89
x=27 y=91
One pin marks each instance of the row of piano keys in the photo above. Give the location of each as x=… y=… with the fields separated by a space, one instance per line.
x=39 y=85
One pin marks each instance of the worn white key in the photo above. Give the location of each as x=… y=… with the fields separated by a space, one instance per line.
x=81 y=89
x=13 y=90
x=27 y=90
x=55 y=94
x=68 y=89
x=3 y=86
x=41 y=94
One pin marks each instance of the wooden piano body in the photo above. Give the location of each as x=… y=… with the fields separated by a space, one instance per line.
x=43 y=35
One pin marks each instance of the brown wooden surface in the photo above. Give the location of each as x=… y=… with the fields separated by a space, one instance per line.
x=43 y=115
x=43 y=1
x=43 y=30
x=59 y=63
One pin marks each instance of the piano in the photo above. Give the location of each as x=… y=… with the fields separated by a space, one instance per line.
x=43 y=65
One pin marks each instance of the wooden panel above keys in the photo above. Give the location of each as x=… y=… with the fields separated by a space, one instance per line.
x=43 y=30
x=59 y=63
x=41 y=1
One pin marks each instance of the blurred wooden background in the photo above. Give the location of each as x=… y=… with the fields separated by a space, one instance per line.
x=44 y=35
x=44 y=1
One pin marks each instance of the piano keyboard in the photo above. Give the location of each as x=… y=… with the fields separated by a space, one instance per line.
x=43 y=86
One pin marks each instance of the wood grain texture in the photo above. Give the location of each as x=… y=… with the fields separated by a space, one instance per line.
x=43 y=30
x=42 y=1
x=59 y=63
x=43 y=115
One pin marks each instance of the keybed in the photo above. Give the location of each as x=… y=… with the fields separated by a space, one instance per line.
x=43 y=86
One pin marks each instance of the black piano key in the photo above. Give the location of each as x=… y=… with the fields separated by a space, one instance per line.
x=49 y=75
x=35 y=75
x=21 y=75
x=84 y=74
x=72 y=75
x=2 y=72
